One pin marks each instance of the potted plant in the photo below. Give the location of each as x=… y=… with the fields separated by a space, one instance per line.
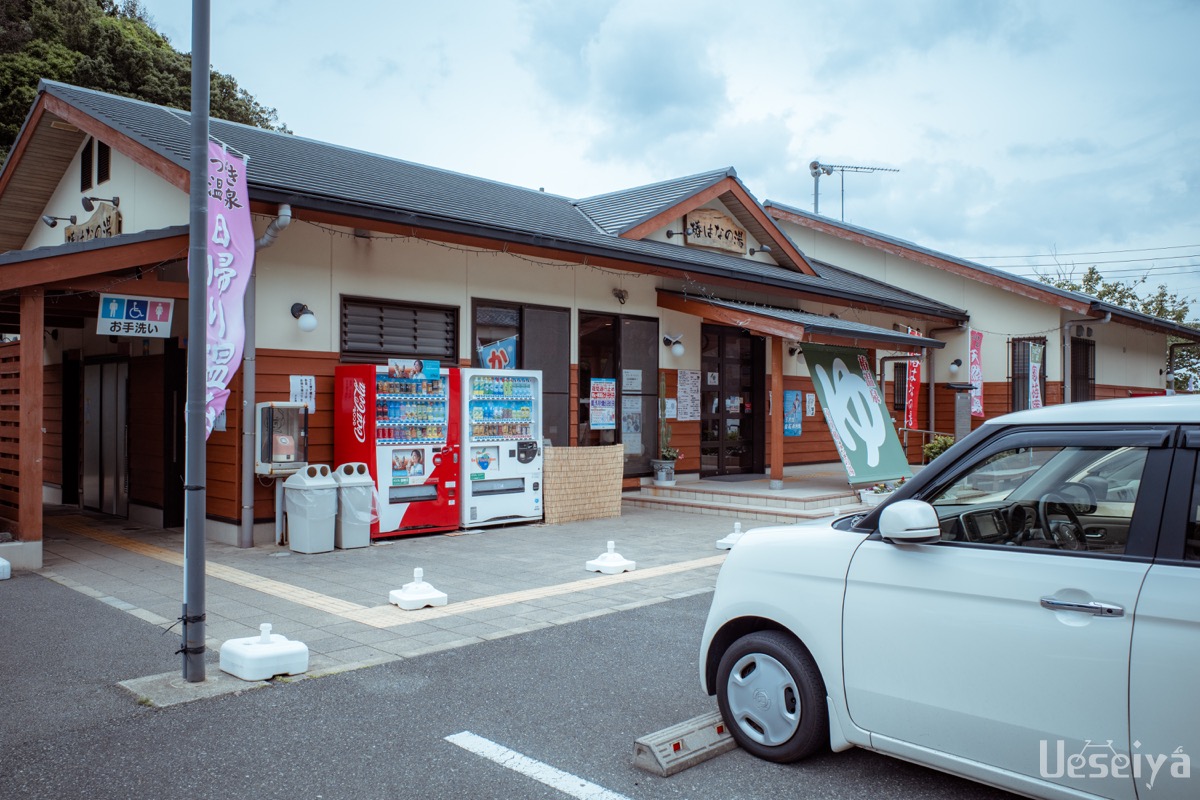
x=664 y=465
x=879 y=492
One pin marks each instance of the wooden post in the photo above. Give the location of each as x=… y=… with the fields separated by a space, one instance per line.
x=777 y=411
x=29 y=492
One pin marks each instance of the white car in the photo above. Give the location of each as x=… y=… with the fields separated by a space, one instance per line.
x=1025 y=612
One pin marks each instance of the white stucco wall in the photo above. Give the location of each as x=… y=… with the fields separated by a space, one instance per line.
x=1125 y=355
x=147 y=201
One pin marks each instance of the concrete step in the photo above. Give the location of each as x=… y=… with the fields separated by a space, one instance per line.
x=748 y=508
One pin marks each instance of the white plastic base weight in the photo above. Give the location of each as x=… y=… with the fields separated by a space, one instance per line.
x=259 y=658
x=610 y=563
x=417 y=594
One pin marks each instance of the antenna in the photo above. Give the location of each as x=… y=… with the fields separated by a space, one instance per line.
x=817 y=169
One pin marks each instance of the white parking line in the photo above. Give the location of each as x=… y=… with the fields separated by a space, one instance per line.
x=564 y=782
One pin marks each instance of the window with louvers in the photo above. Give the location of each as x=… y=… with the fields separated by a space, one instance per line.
x=375 y=330
x=85 y=166
x=103 y=162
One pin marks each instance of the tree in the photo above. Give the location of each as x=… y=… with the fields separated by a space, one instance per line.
x=1162 y=304
x=108 y=46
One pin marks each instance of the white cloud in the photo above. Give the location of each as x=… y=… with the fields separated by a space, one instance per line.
x=1017 y=126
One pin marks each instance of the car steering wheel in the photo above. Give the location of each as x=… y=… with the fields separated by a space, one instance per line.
x=1068 y=535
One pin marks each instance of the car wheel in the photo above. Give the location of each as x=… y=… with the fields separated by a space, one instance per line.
x=772 y=697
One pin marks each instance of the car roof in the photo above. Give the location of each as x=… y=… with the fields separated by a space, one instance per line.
x=1167 y=410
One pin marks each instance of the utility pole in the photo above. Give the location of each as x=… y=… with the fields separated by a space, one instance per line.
x=194 y=491
x=817 y=169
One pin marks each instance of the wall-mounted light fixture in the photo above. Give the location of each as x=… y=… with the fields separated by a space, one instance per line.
x=793 y=348
x=675 y=233
x=954 y=365
x=675 y=343
x=621 y=294
x=52 y=222
x=305 y=318
x=762 y=248
x=89 y=203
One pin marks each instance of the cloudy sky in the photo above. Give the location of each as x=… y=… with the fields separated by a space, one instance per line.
x=1038 y=136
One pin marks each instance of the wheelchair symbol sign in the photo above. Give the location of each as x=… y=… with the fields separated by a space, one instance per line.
x=136 y=309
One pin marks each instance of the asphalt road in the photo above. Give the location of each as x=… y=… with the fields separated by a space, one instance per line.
x=573 y=697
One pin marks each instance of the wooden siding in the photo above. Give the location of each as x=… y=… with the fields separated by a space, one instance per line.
x=273 y=382
x=10 y=434
x=52 y=420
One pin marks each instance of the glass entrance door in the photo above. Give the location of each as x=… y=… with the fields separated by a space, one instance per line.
x=731 y=419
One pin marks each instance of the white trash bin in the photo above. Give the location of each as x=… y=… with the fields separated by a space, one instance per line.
x=311 y=500
x=356 y=496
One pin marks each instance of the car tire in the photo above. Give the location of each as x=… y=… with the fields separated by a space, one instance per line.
x=772 y=697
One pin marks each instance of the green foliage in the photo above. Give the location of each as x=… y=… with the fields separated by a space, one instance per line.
x=1160 y=303
x=936 y=446
x=108 y=46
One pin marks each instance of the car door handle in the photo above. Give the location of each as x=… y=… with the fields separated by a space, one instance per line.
x=1096 y=608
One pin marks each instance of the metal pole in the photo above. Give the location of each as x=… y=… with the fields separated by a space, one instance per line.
x=249 y=380
x=194 y=469
x=816 y=192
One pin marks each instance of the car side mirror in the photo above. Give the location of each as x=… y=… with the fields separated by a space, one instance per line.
x=909 y=522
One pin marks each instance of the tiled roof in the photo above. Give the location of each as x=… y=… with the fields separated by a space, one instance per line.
x=617 y=212
x=286 y=168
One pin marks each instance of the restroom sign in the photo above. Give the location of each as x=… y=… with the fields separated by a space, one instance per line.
x=127 y=315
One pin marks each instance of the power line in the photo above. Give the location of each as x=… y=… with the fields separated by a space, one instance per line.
x=1090 y=252
x=1115 y=261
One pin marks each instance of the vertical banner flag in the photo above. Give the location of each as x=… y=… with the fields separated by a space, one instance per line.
x=499 y=355
x=1035 y=375
x=858 y=420
x=912 y=389
x=976 y=374
x=230 y=259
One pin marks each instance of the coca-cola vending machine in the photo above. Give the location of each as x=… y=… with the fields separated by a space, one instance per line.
x=400 y=421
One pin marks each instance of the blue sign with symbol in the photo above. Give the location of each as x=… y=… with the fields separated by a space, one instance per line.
x=142 y=317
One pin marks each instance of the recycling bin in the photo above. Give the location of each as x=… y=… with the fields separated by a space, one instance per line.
x=356 y=498
x=310 y=496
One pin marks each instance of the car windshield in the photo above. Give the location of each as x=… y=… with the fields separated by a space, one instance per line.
x=1027 y=473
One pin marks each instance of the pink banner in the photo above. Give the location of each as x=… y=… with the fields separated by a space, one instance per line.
x=912 y=388
x=976 y=374
x=230 y=259
x=1035 y=375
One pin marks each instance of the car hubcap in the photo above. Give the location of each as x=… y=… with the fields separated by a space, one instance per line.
x=763 y=699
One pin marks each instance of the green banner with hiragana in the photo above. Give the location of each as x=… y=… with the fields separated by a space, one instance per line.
x=862 y=429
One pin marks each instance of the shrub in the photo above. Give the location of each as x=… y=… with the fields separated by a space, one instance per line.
x=937 y=446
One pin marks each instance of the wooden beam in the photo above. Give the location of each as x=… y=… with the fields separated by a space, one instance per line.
x=777 y=409
x=728 y=316
x=53 y=269
x=29 y=503
x=664 y=218
x=137 y=152
x=148 y=285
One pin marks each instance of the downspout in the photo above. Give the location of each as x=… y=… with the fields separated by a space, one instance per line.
x=249 y=388
x=1066 y=335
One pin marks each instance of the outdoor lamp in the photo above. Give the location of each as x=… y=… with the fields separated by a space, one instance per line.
x=90 y=205
x=305 y=318
x=675 y=343
x=954 y=365
x=53 y=221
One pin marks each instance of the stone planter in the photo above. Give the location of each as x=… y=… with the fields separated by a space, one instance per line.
x=664 y=471
x=872 y=498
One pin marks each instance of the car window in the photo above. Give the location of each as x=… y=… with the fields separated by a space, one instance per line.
x=1054 y=497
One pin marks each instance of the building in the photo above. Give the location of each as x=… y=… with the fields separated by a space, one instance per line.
x=397 y=259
